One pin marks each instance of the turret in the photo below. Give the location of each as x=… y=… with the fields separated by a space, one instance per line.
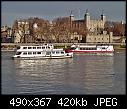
x=87 y=19
x=103 y=18
x=72 y=17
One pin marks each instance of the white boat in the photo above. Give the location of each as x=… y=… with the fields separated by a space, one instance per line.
x=91 y=49
x=40 y=52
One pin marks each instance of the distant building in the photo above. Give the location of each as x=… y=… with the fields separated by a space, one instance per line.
x=22 y=31
x=6 y=34
x=100 y=38
x=88 y=23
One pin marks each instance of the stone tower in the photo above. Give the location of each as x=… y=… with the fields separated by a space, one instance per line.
x=103 y=18
x=71 y=17
x=87 y=19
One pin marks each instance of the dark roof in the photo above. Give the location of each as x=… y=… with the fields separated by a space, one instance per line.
x=78 y=21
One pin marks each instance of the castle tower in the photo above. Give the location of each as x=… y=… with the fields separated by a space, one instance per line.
x=87 y=19
x=71 y=21
x=72 y=17
x=103 y=18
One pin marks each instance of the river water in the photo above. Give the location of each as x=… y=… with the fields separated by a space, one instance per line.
x=82 y=74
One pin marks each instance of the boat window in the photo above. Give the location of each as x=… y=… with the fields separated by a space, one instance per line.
x=18 y=47
x=53 y=52
x=48 y=47
x=43 y=47
x=29 y=47
x=38 y=47
x=24 y=47
x=34 y=47
x=38 y=52
x=73 y=48
x=25 y=53
x=57 y=52
x=18 y=53
x=103 y=48
x=34 y=52
x=29 y=53
x=62 y=52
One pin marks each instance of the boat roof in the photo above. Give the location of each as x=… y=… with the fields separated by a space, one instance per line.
x=57 y=49
x=35 y=45
x=87 y=46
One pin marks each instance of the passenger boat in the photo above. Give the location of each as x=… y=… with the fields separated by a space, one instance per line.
x=91 y=49
x=40 y=52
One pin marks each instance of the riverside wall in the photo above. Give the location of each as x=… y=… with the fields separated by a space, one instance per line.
x=12 y=46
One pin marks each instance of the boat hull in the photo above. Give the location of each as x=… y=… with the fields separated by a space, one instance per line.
x=44 y=57
x=83 y=51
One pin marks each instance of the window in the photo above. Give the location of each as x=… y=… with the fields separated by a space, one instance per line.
x=29 y=47
x=103 y=48
x=38 y=52
x=18 y=53
x=62 y=52
x=81 y=48
x=43 y=47
x=29 y=53
x=34 y=47
x=25 y=53
x=38 y=47
x=18 y=47
x=24 y=47
x=53 y=52
x=57 y=52
x=34 y=52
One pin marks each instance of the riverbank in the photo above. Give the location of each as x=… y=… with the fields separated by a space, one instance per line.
x=12 y=46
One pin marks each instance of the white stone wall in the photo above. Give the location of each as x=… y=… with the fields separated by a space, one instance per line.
x=99 y=38
x=17 y=38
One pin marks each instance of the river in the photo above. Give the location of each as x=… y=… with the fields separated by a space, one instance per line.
x=82 y=74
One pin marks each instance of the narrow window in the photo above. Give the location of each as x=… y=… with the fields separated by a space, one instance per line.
x=25 y=53
x=57 y=52
x=62 y=52
x=43 y=47
x=29 y=53
x=34 y=52
x=24 y=47
x=38 y=47
x=18 y=53
x=38 y=52
x=34 y=47
x=53 y=52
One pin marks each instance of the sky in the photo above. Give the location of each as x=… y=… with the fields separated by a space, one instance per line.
x=14 y=10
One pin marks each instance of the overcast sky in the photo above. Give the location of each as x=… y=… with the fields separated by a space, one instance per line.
x=114 y=10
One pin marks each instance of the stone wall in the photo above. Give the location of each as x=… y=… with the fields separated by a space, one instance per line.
x=99 y=38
